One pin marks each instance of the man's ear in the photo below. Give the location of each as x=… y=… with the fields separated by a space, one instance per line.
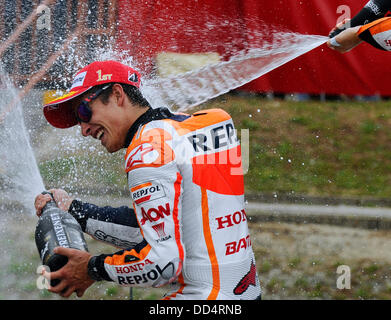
x=118 y=94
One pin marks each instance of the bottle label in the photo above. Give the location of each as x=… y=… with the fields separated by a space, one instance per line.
x=59 y=230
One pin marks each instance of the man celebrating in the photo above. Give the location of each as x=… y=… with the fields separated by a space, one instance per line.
x=188 y=226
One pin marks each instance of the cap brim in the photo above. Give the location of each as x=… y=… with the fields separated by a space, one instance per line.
x=60 y=112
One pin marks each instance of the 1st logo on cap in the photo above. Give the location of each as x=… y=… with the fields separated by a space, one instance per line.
x=103 y=77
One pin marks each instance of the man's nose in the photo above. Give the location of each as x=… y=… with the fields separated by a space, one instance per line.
x=85 y=129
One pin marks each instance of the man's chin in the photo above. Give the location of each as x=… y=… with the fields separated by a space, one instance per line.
x=112 y=149
x=111 y=146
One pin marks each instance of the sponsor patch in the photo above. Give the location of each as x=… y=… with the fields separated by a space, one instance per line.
x=135 y=267
x=143 y=154
x=248 y=280
x=236 y=246
x=231 y=219
x=214 y=138
x=373 y=7
x=159 y=229
x=147 y=191
x=79 y=80
x=154 y=214
x=132 y=77
x=168 y=272
x=103 y=77
x=101 y=235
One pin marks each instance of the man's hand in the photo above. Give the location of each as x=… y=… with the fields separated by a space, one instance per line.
x=346 y=40
x=339 y=28
x=60 y=196
x=73 y=276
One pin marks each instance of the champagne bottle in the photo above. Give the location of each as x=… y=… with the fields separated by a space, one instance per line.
x=57 y=228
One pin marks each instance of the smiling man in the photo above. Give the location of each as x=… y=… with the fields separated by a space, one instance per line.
x=188 y=227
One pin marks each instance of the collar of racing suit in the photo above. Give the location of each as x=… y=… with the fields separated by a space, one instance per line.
x=150 y=115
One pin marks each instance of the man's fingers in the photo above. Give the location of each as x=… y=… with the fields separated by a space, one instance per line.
x=64 y=251
x=345 y=24
x=40 y=202
x=53 y=276
x=59 y=288
x=73 y=275
x=42 y=197
x=67 y=292
x=80 y=292
x=62 y=198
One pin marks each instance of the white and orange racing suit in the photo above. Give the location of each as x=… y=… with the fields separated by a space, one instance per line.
x=377 y=33
x=188 y=227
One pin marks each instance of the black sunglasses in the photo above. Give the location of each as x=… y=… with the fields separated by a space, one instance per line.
x=83 y=111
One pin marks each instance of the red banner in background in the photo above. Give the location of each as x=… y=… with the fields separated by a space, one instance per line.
x=229 y=26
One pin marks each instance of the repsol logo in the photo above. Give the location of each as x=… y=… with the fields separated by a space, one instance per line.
x=137 y=279
x=231 y=219
x=146 y=192
x=154 y=214
x=167 y=272
x=215 y=138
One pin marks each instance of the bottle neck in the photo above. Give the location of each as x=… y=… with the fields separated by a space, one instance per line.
x=49 y=205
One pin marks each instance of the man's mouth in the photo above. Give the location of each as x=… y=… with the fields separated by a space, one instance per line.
x=99 y=134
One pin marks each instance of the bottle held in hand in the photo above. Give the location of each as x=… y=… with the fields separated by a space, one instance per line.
x=57 y=228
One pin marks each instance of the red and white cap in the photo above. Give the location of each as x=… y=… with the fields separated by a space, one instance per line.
x=60 y=111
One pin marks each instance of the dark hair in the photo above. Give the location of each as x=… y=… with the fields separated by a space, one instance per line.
x=134 y=94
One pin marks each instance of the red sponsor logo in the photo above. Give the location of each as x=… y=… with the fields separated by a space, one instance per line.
x=133 y=267
x=231 y=219
x=159 y=228
x=147 y=191
x=248 y=280
x=388 y=43
x=154 y=214
x=236 y=246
